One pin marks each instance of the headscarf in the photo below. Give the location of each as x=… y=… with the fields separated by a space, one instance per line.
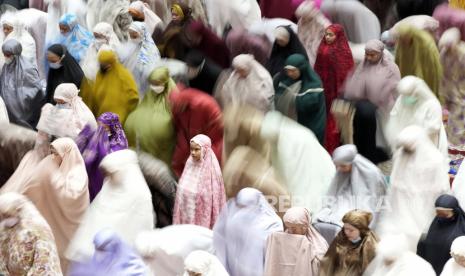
x=95 y=144
x=241 y=41
x=295 y=254
x=436 y=246
x=452 y=268
x=150 y=126
x=210 y=44
x=449 y=17
x=89 y=63
x=20 y=34
x=303 y=99
x=419 y=176
x=255 y=90
x=115 y=90
x=78 y=40
x=240 y=234
x=164 y=250
x=124 y=205
x=452 y=89
x=112 y=256
x=279 y=54
x=194 y=112
x=298 y=158
x=200 y=195
x=333 y=63
x=148 y=16
x=418 y=55
x=58 y=188
x=174 y=42
x=360 y=23
x=69 y=72
x=239 y=14
x=393 y=259
x=362 y=188
x=204 y=263
x=459 y=4
x=248 y=168
x=280 y=9
x=345 y=257
x=20 y=87
x=311 y=28
x=267 y=27
x=416 y=105
x=207 y=72
x=374 y=82
x=142 y=58
x=27 y=246
x=68 y=120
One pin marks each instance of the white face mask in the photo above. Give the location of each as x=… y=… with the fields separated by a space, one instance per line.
x=10 y=222
x=136 y=40
x=55 y=65
x=9 y=60
x=63 y=106
x=157 y=88
x=100 y=42
x=356 y=240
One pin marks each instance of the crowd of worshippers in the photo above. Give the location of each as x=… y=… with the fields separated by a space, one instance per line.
x=239 y=137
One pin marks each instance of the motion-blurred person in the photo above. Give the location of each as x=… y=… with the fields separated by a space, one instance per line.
x=298 y=250
x=112 y=257
x=333 y=63
x=97 y=142
x=142 y=55
x=20 y=85
x=287 y=43
x=456 y=265
x=194 y=112
x=141 y=12
x=300 y=96
x=354 y=247
x=419 y=176
x=203 y=263
x=240 y=234
x=358 y=184
x=124 y=205
x=115 y=89
x=417 y=105
x=202 y=72
x=372 y=87
x=57 y=186
x=312 y=25
x=157 y=250
x=75 y=37
x=453 y=85
x=174 y=42
x=244 y=42
x=150 y=126
x=418 y=55
x=27 y=245
x=249 y=84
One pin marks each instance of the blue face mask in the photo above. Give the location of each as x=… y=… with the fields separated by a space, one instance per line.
x=409 y=100
x=56 y=65
x=356 y=240
x=62 y=106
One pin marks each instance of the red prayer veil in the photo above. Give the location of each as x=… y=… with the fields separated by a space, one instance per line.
x=333 y=64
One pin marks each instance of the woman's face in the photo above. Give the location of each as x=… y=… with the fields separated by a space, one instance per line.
x=52 y=58
x=196 y=151
x=352 y=233
x=64 y=29
x=447 y=214
x=175 y=16
x=191 y=273
x=296 y=229
x=330 y=36
x=242 y=72
x=55 y=154
x=133 y=34
x=372 y=56
x=293 y=73
x=343 y=168
x=99 y=36
x=7 y=29
x=460 y=260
